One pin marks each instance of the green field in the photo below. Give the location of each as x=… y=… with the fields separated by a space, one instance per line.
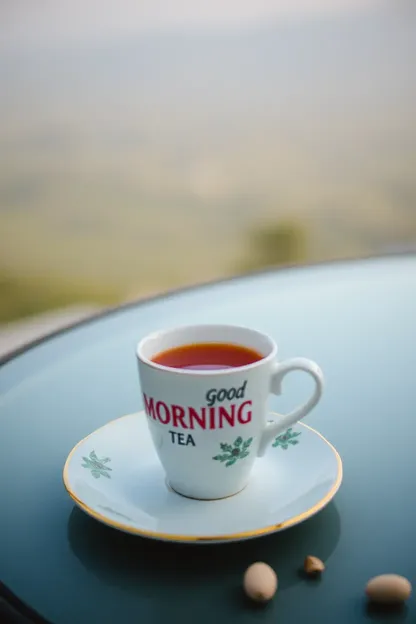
x=92 y=237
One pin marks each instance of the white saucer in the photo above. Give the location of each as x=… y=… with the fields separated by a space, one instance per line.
x=114 y=475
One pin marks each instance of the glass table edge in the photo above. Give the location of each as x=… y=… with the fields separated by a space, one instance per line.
x=136 y=303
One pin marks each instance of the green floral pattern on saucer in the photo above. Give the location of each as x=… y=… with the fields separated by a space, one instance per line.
x=233 y=452
x=135 y=498
x=97 y=466
x=284 y=439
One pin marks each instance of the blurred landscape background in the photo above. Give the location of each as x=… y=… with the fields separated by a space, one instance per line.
x=148 y=145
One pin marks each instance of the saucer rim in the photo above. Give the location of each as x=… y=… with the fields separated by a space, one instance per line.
x=171 y=537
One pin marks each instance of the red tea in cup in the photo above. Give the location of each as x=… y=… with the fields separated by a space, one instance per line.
x=207 y=356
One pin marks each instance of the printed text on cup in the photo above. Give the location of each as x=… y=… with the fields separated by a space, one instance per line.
x=181 y=419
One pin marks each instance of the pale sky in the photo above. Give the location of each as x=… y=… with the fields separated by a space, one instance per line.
x=44 y=21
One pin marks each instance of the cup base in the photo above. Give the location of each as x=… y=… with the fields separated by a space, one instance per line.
x=198 y=498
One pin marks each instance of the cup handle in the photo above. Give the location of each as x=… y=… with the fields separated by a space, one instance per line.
x=280 y=370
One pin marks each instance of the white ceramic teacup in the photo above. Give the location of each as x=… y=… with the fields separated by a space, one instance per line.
x=209 y=426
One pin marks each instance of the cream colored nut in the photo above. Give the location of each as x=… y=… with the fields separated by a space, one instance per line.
x=388 y=589
x=313 y=565
x=260 y=582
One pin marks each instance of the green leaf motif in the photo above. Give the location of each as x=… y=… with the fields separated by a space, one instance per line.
x=238 y=450
x=97 y=466
x=222 y=458
x=285 y=439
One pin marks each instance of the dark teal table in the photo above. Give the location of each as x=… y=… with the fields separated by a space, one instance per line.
x=357 y=319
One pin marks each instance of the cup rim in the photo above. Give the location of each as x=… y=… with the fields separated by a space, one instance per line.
x=205 y=373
